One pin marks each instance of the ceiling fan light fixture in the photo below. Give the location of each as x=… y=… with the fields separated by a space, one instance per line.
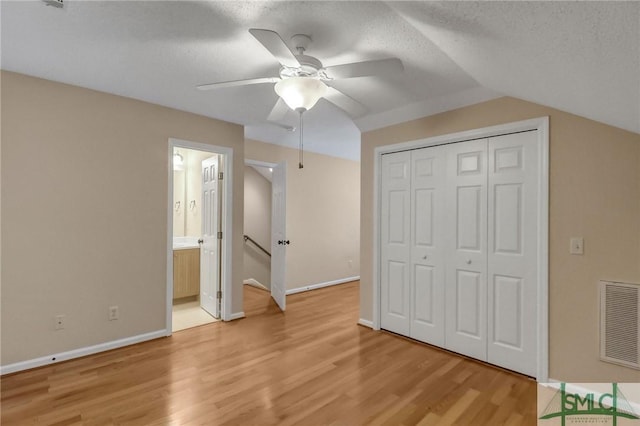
x=300 y=93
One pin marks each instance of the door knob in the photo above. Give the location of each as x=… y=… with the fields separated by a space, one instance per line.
x=468 y=261
x=424 y=257
x=200 y=241
x=283 y=242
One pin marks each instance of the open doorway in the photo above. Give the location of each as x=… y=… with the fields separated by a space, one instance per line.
x=198 y=258
x=257 y=225
x=264 y=224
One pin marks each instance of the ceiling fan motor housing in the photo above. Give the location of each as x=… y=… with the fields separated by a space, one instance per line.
x=309 y=67
x=300 y=42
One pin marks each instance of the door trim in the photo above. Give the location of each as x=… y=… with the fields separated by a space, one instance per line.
x=541 y=125
x=248 y=162
x=227 y=226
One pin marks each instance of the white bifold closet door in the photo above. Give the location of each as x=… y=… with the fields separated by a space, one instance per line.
x=428 y=240
x=466 y=254
x=413 y=236
x=395 y=297
x=513 y=260
x=459 y=230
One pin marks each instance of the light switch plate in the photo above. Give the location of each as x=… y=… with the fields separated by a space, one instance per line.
x=576 y=245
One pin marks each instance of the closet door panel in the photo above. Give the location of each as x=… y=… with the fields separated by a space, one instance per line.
x=468 y=298
x=466 y=254
x=428 y=172
x=512 y=258
x=395 y=243
x=468 y=225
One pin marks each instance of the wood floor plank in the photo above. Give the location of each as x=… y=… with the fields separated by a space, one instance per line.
x=312 y=365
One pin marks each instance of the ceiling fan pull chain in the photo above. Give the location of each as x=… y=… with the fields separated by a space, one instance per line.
x=301 y=149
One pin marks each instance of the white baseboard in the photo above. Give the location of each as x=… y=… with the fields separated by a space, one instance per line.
x=77 y=353
x=365 y=323
x=236 y=315
x=255 y=283
x=321 y=285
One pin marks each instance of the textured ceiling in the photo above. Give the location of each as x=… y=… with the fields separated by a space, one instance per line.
x=582 y=57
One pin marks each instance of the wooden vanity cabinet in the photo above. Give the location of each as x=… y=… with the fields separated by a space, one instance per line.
x=186 y=273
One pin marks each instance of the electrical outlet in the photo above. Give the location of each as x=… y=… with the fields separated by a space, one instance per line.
x=114 y=313
x=576 y=245
x=59 y=322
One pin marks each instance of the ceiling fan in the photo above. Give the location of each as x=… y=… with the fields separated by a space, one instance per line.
x=302 y=80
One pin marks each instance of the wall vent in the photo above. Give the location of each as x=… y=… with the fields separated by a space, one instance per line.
x=619 y=323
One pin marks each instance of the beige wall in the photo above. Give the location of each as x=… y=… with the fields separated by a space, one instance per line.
x=257 y=225
x=84 y=190
x=323 y=214
x=594 y=193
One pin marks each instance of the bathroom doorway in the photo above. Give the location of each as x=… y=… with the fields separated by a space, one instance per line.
x=198 y=259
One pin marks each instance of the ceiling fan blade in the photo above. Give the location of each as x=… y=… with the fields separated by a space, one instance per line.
x=272 y=41
x=284 y=127
x=349 y=105
x=366 y=68
x=234 y=83
x=279 y=111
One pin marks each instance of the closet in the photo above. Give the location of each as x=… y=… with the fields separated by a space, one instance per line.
x=459 y=234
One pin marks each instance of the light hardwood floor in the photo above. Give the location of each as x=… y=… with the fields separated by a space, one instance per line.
x=310 y=366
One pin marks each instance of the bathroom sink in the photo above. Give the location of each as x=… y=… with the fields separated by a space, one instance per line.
x=183 y=243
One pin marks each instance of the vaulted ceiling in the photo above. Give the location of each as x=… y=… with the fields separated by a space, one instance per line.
x=581 y=57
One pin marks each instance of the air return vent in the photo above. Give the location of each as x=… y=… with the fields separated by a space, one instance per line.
x=619 y=325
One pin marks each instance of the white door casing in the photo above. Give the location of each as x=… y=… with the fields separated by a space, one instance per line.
x=209 y=249
x=466 y=303
x=428 y=239
x=512 y=257
x=278 y=234
x=220 y=213
x=395 y=268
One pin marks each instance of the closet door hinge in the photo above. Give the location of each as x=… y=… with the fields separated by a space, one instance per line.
x=220 y=175
x=219 y=235
x=219 y=295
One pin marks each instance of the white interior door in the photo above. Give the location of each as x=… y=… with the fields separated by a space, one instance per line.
x=513 y=259
x=209 y=249
x=466 y=289
x=428 y=236
x=395 y=247
x=278 y=235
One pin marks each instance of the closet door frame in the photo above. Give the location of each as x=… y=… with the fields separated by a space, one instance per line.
x=541 y=125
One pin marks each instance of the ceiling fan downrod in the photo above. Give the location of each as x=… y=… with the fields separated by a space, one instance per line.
x=300 y=148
